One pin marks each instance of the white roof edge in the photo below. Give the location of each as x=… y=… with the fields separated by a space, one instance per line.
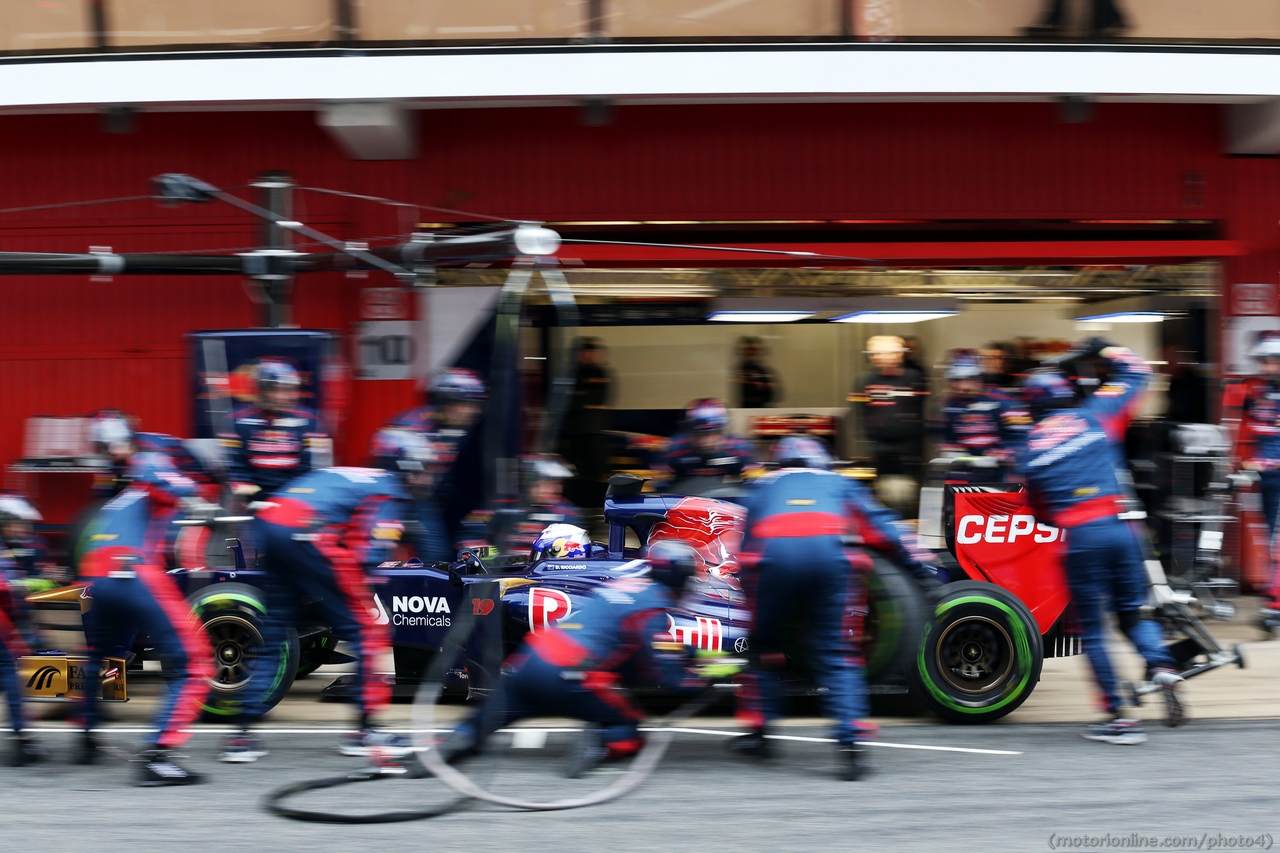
x=744 y=72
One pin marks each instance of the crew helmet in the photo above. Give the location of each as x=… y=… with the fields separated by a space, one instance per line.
x=401 y=450
x=456 y=385
x=801 y=451
x=1046 y=389
x=672 y=563
x=706 y=414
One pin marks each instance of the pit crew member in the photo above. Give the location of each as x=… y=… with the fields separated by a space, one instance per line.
x=576 y=669
x=978 y=422
x=321 y=534
x=23 y=749
x=1070 y=463
x=19 y=543
x=111 y=434
x=453 y=402
x=1261 y=430
x=795 y=553
x=272 y=442
x=515 y=526
x=125 y=564
x=704 y=449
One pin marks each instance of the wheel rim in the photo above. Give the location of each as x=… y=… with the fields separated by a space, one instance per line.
x=975 y=655
x=234 y=640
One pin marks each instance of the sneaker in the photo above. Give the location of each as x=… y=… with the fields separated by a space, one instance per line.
x=156 y=769
x=1123 y=732
x=753 y=744
x=87 y=750
x=25 y=750
x=1168 y=681
x=241 y=747
x=370 y=744
x=589 y=752
x=852 y=761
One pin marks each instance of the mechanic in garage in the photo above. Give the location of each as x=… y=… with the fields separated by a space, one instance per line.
x=124 y=561
x=272 y=442
x=514 y=527
x=795 y=557
x=705 y=449
x=1070 y=462
x=321 y=535
x=978 y=422
x=576 y=669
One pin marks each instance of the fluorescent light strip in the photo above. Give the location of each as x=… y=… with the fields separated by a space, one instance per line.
x=1124 y=317
x=758 y=316
x=892 y=316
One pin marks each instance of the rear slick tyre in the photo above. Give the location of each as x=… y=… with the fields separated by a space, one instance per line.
x=980 y=657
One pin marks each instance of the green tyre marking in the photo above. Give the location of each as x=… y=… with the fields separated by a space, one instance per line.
x=1020 y=641
x=234 y=596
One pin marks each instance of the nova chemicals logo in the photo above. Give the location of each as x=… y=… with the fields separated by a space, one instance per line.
x=43 y=677
x=405 y=610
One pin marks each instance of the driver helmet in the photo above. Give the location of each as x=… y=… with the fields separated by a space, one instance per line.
x=161 y=478
x=672 y=563
x=456 y=385
x=111 y=432
x=964 y=367
x=560 y=541
x=801 y=451
x=401 y=451
x=707 y=414
x=1046 y=389
x=1267 y=347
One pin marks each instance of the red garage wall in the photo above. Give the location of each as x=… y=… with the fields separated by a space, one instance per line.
x=69 y=345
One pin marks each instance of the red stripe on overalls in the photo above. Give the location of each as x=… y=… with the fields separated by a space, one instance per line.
x=602 y=680
x=288 y=512
x=11 y=638
x=1087 y=511
x=749 y=709
x=794 y=525
x=375 y=639
x=186 y=626
x=195 y=687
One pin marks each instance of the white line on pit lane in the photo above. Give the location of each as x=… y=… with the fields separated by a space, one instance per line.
x=680 y=730
x=879 y=743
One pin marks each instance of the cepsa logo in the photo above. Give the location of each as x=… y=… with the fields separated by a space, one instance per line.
x=419 y=611
x=1003 y=529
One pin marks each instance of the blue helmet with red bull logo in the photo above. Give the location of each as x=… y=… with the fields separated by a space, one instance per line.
x=157 y=473
x=1046 y=389
x=456 y=385
x=560 y=541
x=672 y=563
x=706 y=415
x=277 y=373
x=801 y=451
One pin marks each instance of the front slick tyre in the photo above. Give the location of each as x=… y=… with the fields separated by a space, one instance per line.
x=980 y=657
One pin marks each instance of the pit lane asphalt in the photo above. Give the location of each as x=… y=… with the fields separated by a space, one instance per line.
x=1212 y=776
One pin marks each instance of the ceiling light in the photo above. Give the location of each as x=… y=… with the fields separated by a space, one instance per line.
x=892 y=316
x=758 y=316
x=1124 y=317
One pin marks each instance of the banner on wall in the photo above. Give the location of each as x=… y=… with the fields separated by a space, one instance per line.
x=1254 y=299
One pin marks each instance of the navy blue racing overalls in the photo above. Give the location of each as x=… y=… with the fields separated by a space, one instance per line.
x=1070 y=463
x=799 y=567
x=320 y=536
x=124 y=561
x=12 y=647
x=268 y=449
x=576 y=669
x=685 y=459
